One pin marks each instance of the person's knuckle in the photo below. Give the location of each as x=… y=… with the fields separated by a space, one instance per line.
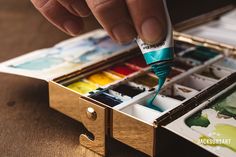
x=40 y=4
x=99 y=6
x=67 y=3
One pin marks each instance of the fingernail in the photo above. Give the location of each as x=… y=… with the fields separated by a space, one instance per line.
x=124 y=32
x=72 y=27
x=152 y=30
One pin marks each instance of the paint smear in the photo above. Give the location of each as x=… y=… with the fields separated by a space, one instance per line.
x=198 y=120
x=222 y=132
x=201 y=54
x=138 y=61
x=40 y=63
x=227 y=106
x=146 y=80
x=102 y=78
x=181 y=65
x=123 y=69
x=126 y=89
x=82 y=87
x=106 y=99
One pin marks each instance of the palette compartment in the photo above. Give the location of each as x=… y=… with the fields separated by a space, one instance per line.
x=196 y=82
x=215 y=72
x=141 y=112
x=227 y=63
x=179 y=92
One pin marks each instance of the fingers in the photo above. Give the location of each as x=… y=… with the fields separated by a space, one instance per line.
x=114 y=16
x=76 y=7
x=149 y=19
x=122 y=19
x=59 y=16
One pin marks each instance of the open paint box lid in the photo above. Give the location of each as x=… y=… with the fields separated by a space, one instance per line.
x=66 y=57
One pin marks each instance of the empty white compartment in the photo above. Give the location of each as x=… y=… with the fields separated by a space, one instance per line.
x=141 y=112
x=196 y=82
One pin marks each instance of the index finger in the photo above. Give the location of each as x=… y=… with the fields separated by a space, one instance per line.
x=149 y=19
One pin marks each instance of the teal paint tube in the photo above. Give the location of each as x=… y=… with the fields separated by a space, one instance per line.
x=159 y=56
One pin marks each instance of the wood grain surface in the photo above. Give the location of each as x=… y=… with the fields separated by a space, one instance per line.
x=28 y=127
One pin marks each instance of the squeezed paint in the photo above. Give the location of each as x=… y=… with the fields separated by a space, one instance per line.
x=198 y=120
x=162 y=71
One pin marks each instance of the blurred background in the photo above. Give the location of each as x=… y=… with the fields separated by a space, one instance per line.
x=23 y=29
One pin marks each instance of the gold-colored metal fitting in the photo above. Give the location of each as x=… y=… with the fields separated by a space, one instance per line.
x=91 y=113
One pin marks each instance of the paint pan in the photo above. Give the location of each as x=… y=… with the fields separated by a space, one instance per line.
x=106 y=98
x=182 y=65
x=181 y=46
x=122 y=69
x=141 y=112
x=129 y=89
x=137 y=62
x=214 y=72
x=174 y=72
x=196 y=82
x=103 y=78
x=201 y=54
x=146 y=80
x=227 y=63
x=118 y=95
x=179 y=92
x=83 y=86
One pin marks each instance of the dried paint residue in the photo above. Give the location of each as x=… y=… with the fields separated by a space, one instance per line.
x=128 y=90
x=102 y=78
x=146 y=80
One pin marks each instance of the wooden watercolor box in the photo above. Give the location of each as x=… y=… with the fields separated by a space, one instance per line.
x=106 y=86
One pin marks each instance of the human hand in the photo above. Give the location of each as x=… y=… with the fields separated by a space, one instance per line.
x=122 y=19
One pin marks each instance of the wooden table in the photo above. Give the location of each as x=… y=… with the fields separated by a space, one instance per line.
x=28 y=127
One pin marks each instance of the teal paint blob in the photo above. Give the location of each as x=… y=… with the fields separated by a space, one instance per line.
x=162 y=70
